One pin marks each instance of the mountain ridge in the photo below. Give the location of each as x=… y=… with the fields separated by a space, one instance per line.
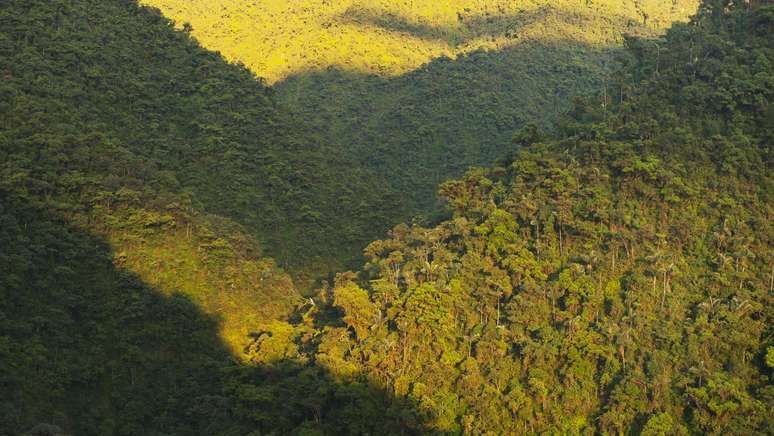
x=416 y=91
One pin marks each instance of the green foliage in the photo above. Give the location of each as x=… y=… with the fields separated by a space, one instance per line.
x=392 y=37
x=123 y=298
x=417 y=91
x=128 y=103
x=615 y=280
x=661 y=425
x=359 y=312
x=90 y=348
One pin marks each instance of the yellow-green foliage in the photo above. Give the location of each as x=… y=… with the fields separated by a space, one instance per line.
x=418 y=91
x=279 y=38
x=240 y=289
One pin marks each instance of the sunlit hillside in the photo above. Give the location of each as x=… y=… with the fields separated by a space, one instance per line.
x=417 y=91
x=279 y=38
x=580 y=194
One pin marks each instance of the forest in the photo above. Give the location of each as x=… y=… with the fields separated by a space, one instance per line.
x=210 y=225
x=424 y=89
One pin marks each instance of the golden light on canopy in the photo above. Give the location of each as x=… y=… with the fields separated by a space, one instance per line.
x=278 y=38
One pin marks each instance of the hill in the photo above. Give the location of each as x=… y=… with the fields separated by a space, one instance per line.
x=130 y=87
x=131 y=84
x=142 y=181
x=283 y=39
x=418 y=91
x=611 y=275
x=615 y=279
x=89 y=347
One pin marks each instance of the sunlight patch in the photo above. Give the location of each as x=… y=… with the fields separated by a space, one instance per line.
x=280 y=38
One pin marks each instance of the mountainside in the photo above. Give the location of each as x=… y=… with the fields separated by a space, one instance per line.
x=418 y=91
x=612 y=272
x=282 y=39
x=113 y=76
x=615 y=280
x=141 y=179
x=89 y=347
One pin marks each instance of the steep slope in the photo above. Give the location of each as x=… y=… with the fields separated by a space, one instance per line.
x=136 y=170
x=427 y=126
x=617 y=280
x=87 y=347
x=83 y=137
x=113 y=73
x=419 y=90
x=387 y=38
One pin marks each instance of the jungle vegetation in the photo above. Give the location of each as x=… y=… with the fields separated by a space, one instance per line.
x=164 y=215
x=418 y=91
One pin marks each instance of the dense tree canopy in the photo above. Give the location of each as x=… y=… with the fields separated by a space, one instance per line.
x=113 y=92
x=615 y=280
x=285 y=38
x=417 y=91
x=610 y=276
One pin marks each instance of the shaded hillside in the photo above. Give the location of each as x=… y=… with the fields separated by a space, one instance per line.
x=83 y=137
x=418 y=91
x=429 y=125
x=136 y=170
x=88 y=348
x=616 y=280
x=85 y=79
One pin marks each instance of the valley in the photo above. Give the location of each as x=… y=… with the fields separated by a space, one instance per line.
x=398 y=217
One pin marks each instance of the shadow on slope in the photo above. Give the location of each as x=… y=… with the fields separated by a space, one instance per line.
x=88 y=348
x=121 y=72
x=430 y=125
x=489 y=25
x=422 y=128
